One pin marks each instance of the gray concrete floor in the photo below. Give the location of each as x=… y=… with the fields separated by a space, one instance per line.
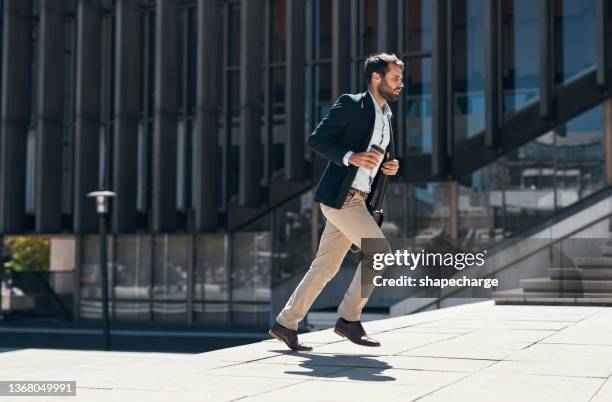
x=476 y=352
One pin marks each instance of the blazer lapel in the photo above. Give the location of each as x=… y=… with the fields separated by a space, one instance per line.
x=369 y=115
x=391 y=142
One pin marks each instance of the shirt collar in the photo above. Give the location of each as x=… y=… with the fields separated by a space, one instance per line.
x=386 y=110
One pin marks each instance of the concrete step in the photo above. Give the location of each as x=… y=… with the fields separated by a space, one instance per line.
x=606 y=250
x=593 y=262
x=518 y=296
x=569 y=285
x=581 y=273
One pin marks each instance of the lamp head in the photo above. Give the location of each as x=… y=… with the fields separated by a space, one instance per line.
x=101 y=200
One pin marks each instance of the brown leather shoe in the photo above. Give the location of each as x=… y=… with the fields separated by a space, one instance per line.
x=354 y=332
x=288 y=336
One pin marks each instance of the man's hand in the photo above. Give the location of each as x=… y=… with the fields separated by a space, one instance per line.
x=367 y=160
x=391 y=167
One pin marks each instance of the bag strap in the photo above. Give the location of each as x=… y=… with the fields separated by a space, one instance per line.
x=385 y=179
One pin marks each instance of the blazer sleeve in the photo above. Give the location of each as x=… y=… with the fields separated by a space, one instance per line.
x=323 y=139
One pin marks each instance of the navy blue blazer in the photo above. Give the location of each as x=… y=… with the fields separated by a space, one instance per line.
x=348 y=127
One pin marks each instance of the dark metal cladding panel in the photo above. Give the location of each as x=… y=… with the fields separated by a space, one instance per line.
x=206 y=160
x=387 y=23
x=547 y=75
x=87 y=137
x=294 y=84
x=439 y=90
x=340 y=49
x=164 y=141
x=127 y=92
x=49 y=132
x=251 y=155
x=492 y=63
x=16 y=59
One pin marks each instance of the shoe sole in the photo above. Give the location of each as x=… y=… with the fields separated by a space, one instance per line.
x=340 y=333
x=272 y=334
x=343 y=335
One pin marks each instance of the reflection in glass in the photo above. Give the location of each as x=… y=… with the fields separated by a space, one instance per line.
x=322 y=91
x=277 y=95
x=366 y=40
x=417 y=25
x=132 y=277
x=468 y=68
x=417 y=105
x=417 y=210
x=277 y=27
x=171 y=253
x=211 y=279
x=362 y=40
x=233 y=46
x=90 y=277
x=234 y=132
x=575 y=38
x=580 y=158
x=252 y=273
x=521 y=54
x=529 y=184
x=292 y=237
x=322 y=28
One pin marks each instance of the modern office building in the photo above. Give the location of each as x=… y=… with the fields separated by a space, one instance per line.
x=196 y=112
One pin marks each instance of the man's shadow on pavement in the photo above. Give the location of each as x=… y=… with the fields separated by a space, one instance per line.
x=370 y=369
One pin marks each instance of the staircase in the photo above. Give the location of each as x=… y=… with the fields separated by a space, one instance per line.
x=589 y=282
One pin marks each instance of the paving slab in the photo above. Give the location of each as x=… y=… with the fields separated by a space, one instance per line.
x=472 y=352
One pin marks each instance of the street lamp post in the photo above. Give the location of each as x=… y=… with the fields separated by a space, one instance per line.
x=102 y=209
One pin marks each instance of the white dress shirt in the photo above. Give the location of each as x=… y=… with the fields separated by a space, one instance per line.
x=380 y=136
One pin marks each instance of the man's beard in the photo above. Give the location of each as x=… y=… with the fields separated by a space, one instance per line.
x=387 y=93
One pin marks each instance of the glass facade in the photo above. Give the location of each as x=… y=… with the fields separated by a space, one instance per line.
x=415 y=105
x=227 y=276
x=468 y=69
x=575 y=38
x=529 y=184
x=521 y=54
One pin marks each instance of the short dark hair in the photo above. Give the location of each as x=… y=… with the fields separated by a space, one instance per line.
x=377 y=63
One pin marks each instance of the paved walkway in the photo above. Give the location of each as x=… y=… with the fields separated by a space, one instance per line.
x=476 y=352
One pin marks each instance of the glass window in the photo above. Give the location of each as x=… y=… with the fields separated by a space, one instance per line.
x=521 y=54
x=417 y=26
x=171 y=261
x=322 y=91
x=277 y=104
x=317 y=89
x=366 y=40
x=417 y=105
x=251 y=274
x=322 y=29
x=278 y=38
x=233 y=45
x=362 y=40
x=132 y=277
x=575 y=37
x=580 y=156
x=417 y=210
x=234 y=131
x=211 y=280
x=468 y=64
x=526 y=186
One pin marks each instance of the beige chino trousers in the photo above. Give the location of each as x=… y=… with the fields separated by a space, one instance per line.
x=344 y=226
